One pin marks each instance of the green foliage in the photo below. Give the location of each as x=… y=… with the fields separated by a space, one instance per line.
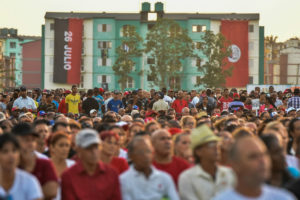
x=168 y=44
x=216 y=49
x=127 y=51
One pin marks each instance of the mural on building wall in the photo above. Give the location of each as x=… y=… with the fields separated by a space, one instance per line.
x=67 y=50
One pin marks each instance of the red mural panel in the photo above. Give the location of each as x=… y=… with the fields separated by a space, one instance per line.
x=237 y=33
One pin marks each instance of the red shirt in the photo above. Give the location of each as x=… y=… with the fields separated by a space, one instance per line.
x=104 y=184
x=62 y=107
x=120 y=164
x=224 y=103
x=179 y=104
x=44 y=171
x=173 y=168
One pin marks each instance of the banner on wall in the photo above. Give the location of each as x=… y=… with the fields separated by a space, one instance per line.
x=237 y=33
x=67 y=50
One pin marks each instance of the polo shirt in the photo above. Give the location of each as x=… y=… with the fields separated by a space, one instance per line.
x=159 y=185
x=174 y=168
x=179 y=104
x=44 y=171
x=102 y=185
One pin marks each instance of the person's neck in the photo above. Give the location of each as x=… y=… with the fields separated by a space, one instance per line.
x=7 y=178
x=27 y=161
x=247 y=190
x=105 y=157
x=73 y=93
x=146 y=171
x=209 y=167
x=163 y=159
x=89 y=168
x=58 y=160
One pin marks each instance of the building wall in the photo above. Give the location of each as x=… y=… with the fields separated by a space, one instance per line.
x=31 y=64
x=93 y=73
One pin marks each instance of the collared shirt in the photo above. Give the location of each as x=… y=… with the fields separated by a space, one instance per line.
x=294 y=102
x=197 y=184
x=102 y=185
x=24 y=102
x=135 y=186
x=168 y=99
x=160 y=105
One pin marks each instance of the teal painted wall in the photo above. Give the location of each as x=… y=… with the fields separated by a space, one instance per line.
x=140 y=81
x=18 y=58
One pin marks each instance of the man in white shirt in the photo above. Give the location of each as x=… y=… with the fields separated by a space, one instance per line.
x=195 y=98
x=24 y=103
x=206 y=178
x=142 y=181
x=252 y=165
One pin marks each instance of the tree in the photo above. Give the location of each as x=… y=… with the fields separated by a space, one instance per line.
x=272 y=42
x=216 y=49
x=168 y=44
x=127 y=51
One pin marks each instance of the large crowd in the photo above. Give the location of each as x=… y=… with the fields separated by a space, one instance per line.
x=220 y=144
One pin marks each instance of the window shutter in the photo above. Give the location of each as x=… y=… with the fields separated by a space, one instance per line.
x=99 y=79
x=194 y=79
x=108 y=27
x=99 y=62
x=108 y=79
x=99 y=27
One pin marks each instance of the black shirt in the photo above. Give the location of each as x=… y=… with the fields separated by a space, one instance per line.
x=89 y=104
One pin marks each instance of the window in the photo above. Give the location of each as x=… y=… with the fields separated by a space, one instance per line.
x=251 y=28
x=51 y=44
x=150 y=78
x=104 y=62
x=12 y=55
x=150 y=61
x=129 y=83
x=150 y=26
x=152 y=16
x=12 y=45
x=81 y=81
x=104 y=44
x=198 y=28
x=82 y=64
x=103 y=79
x=250 y=79
x=197 y=45
x=51 y=26
x=104 y=27
x=104 y=53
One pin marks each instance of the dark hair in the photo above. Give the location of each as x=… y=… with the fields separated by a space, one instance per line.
x=102 y=127
x=9 y=138
x=90 y=92
x=57 y=124
x=41 y=121
x=268 y=139
x=22 y=128
x=48 y=95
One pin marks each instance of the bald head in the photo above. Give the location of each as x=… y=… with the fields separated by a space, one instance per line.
x=250 y=160
x=162 y=142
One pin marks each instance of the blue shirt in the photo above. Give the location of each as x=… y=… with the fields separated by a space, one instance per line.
x=24 y=102
x=115 y=105
x=56 y=103
x=235 y=105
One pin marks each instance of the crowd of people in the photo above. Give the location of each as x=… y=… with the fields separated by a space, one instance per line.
x=216 y=144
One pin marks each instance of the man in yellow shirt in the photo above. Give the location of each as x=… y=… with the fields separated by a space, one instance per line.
x=73 y=101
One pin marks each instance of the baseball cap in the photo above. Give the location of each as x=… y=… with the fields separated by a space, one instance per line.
x=236 y=95
x=42 y=113
x=93 y=110
x=67 y=92
x=290 y=109
x=23 y=115
x=87 y=137
x=101 y=90
x=202 y=135
x=23 y=129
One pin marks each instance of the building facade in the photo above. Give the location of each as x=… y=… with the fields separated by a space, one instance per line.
x=12 y=47
x=102 y=34
x=31 y=64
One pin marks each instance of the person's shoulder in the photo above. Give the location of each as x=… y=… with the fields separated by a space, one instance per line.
x=225 y=195
x=71 y=170
x=181 y=162
x=277 y=193
x=24 y=175
x=189 y=172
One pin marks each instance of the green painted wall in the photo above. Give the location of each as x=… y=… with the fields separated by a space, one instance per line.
x=17 y=50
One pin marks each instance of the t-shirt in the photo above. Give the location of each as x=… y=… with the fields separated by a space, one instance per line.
x=174 y=168
x=114 y=105
x=73 y=102
x=224 y=103
x=25 y=187
x=119 y=164
x=44 y=171
x=268 y=193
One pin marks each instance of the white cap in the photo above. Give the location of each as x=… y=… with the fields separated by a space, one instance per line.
x=92 y=111
x=87 y=137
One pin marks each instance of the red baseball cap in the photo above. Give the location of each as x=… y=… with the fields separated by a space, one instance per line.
x=101 y=90
x=236 y=95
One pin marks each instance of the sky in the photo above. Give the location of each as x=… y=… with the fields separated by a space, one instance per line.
x=279 y=17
